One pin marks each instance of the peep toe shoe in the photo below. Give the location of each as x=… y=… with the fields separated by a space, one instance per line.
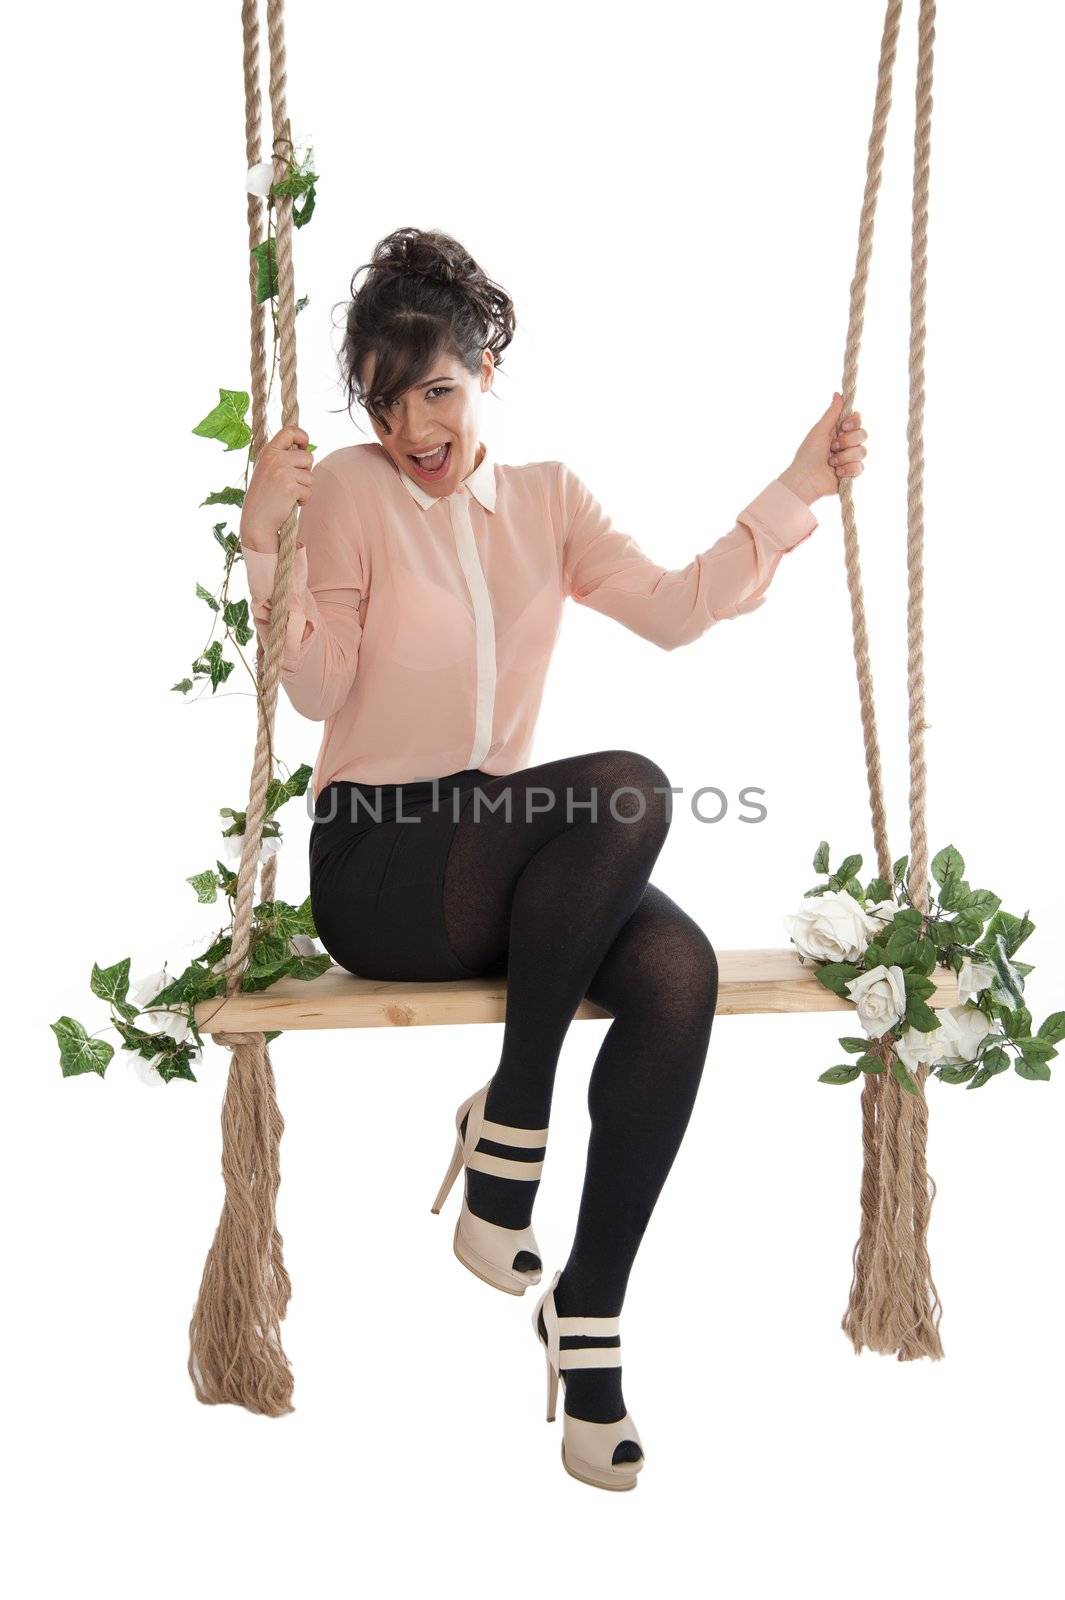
x=587 y=1447
x=492 y=1252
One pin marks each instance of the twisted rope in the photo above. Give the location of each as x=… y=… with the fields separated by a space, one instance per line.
x=893 y=1304
x=235 y=1352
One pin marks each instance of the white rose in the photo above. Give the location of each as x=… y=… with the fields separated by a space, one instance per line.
x=883 y=912
x=259 y=179
x=968 y=1028
x=880 y=997
x=974 y=977
x=831 y=927
x=914 y=1047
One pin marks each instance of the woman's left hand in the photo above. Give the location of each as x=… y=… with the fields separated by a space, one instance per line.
x=834 y=448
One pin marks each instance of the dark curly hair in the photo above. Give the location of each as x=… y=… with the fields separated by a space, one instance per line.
x=424 y=297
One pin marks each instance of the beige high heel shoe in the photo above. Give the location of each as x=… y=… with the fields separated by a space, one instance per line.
x=487 y=1249
x=587 y=1447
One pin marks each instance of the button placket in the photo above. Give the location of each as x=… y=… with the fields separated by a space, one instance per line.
x=484 y=623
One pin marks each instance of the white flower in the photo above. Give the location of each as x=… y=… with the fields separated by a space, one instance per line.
x=974 y=977
x=175 y=1024
x=303 y=945
x=880 y=996
x=144 y=1070
x=968 y=1028
x=831 y=926
x=883 y=912
x=914 y=1047
x=141 y=990
x=259 y=179
x=234 y=845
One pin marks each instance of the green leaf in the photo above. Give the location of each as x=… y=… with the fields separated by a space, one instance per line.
x=266 y=263
x=304 y=213
x=1009 y=980
x=968 y=925
x=899 y=869
x=870 y=1063
x=844 y=1074
x=956 y=1074
x=226 y=421
x=206 y=887
x=183 y=685
x=984 y=903
x=836 y=974
x=224 y=497
x=921 y=1016
x=947 y=863
x=879 y=889
x=111 y=983
x=821 y=857
x=1034 y=1071
x=1054 y=1027
x=213 y=665
x=854 y=1046
x=205 y=594
x=902 y=1076
x=995 y=1060
x=236 y=617
x=1036 y=1049
x=78 y=1051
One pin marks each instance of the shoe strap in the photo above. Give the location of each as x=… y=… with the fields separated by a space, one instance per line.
x=590 y=1356
x=500 y=1167
x=522 y=1138
x=478 y=1127
x=589 y=1327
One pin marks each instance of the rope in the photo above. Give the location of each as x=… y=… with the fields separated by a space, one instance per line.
x=235 y=1351
x=893 y=1304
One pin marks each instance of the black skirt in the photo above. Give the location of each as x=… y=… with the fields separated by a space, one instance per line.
x=377 y=858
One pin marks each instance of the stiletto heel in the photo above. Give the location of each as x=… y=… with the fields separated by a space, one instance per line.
x=449 y=1177
x=587 y=1447
x=485 y=1248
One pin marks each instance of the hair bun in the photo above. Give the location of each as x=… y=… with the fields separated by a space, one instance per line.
x=427 y=253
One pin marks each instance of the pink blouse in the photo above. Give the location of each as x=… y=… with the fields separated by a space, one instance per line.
x=422 y=626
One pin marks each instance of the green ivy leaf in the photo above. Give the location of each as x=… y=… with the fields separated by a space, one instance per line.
x=183 y=685
x=78 y=1051
x=206 y=887
x=205 y=594
x=265 y=255
x=213 y=665
x=236 y=617
x=224 y=497
x=111 y=983
x=226 y=421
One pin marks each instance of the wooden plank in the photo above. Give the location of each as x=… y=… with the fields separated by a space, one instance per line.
x=751 y=983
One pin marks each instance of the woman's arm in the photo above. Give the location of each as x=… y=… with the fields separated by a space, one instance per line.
x=329 y=586
x=607 y=570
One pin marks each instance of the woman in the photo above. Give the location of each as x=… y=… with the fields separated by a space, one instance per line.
x=428 y=590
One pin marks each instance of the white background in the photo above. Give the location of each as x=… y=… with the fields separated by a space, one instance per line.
x=672 y=199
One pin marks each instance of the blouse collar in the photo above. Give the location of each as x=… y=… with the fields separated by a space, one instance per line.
x=481 y=483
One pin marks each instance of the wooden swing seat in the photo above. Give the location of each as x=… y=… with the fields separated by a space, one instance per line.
x=751 y=983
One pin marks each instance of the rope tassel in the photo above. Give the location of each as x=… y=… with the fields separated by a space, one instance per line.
x=236 y=1356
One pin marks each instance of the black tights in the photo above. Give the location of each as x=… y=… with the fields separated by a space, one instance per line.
x=563 y=904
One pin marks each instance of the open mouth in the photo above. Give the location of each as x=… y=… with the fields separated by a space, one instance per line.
x=434 y=465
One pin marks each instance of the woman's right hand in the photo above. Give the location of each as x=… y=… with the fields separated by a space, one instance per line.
x=282 y=476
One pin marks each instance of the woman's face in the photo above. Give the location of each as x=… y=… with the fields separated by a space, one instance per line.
x=444 y=409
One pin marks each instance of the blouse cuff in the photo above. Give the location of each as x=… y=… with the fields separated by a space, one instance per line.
x=781 y=515
x=262 y=569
